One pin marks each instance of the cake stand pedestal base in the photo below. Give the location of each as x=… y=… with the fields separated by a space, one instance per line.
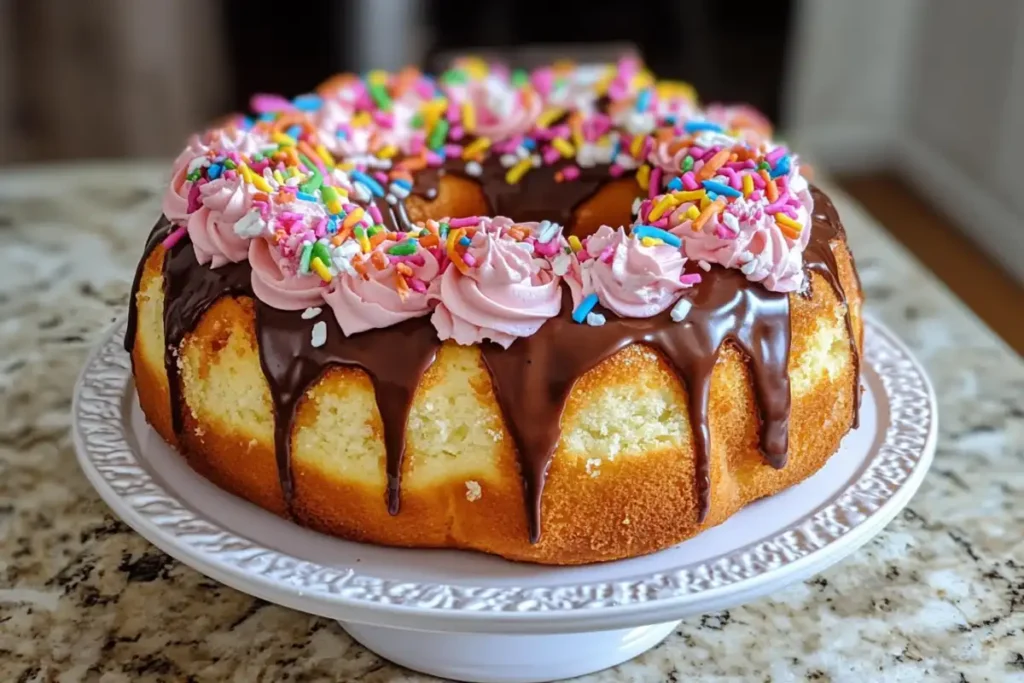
x=508 y=658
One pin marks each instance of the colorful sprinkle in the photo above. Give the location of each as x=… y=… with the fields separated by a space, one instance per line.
x=174 y=237
x=700 y=126
x=642 y=231
x=585 y=307
x=681 y=310
x=721 y=188
x=516 y=173
x=320 y=269
x=307 y=254
x=661 y=205
x=789 y=227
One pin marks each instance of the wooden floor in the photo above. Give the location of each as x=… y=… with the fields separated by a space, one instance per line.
x=983 y=285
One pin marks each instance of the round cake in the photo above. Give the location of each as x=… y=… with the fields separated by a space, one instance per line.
x=562 y=316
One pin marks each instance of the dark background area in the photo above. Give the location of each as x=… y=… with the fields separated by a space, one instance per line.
x=728 y=53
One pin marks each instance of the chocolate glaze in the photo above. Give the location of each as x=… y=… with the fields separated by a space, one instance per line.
x=534 y=376
x=819 y=258
x=536 y=197
x=394 y=357
x=156 y=235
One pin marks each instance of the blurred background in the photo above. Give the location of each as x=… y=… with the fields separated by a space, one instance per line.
x=915 y=107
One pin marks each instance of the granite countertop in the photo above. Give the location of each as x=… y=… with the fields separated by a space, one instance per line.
x=937 y=596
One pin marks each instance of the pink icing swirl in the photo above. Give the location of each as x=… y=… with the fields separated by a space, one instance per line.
x=501 y=113
x=212 y=227
x=747 y=237
x=364 y=304
x=175 y=200
x=274 y=282
x=507 y=294
x=631 y=280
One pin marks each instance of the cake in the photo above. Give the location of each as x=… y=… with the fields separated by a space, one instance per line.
x=561 y=316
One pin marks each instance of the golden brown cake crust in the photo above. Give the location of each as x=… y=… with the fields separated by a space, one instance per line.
x=461 y=490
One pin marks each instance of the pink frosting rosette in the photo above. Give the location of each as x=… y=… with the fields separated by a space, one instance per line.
x=629 y=279
x=746 y=236
x=275 y=281
x=662 y=156
x=507 y=294
x=175 y=200
x=501 y=112
x=212 y=227
x=362 y=304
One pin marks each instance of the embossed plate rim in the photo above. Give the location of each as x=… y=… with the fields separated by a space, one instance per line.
x=888 y=478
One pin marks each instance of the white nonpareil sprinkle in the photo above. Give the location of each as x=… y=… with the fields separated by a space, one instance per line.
x=311 y=312
x=546 y=231
x=626 y=161
x=473 y=491
x=731 y=222
x=361 y=193
x=710 y=138
x=638 y=123
x=560 y=264
x=347 y=249
x=704 y=265
x=681 y=310
x=391 y=199
x=198 y=162
x=595 y=319
x=319 y=334
x=508 y=160
x=252 y=225
x=585 y=156
x=474 y=168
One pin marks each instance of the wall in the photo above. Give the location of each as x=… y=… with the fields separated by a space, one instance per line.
x=931 y=88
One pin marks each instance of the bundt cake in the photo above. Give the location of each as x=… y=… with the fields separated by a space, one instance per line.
x=562 y=316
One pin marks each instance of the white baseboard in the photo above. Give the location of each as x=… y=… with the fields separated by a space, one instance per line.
x=980 y=215
x=842 y=148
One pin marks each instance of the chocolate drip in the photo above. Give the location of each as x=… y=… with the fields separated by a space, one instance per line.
x=189 y=290
x=156 y=235
x=534 y=376
x=819 y=257
x=395 y=358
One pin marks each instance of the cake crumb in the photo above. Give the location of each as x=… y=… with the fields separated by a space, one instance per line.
x=311 y=312
x=592 y=467
x=626 y=521
x=319 y=334
x=473 y=491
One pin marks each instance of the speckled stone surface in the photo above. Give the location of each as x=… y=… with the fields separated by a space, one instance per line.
x=937 y=596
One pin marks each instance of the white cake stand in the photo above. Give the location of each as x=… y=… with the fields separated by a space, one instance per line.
x=478 y=618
